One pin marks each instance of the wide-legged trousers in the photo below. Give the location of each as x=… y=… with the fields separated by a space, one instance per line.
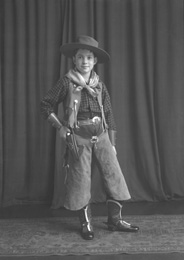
x=78 y=181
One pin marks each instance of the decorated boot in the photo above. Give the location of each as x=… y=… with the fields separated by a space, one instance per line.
x=85 y=221
x=115 y=221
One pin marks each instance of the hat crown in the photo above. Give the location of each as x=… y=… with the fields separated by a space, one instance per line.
x=87 y=40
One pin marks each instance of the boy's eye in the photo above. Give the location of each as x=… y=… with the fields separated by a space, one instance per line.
x=81 y=57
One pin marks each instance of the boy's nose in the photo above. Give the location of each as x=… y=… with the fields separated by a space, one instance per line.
x=84 y=60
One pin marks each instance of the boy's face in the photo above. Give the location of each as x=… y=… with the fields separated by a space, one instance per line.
x=84 y=61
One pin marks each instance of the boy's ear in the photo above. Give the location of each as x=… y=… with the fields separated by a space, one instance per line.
x=74 y=60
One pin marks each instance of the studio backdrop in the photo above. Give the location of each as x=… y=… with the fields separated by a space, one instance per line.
x=145 y=79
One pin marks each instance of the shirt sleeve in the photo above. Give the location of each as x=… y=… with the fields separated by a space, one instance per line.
x=109 y=117
x=53 y=97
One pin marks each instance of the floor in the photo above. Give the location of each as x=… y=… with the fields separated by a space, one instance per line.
x=130 y=208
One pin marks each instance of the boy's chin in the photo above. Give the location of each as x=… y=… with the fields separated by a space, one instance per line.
x=84 y=72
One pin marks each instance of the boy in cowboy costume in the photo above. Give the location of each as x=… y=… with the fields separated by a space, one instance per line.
x=88 y=127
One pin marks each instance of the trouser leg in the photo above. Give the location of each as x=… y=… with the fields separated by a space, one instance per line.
x=112 y=175
x=78 y=181
x=115 y=184
x=78 y=190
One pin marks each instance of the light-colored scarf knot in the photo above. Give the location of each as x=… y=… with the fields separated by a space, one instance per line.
x=78 y=79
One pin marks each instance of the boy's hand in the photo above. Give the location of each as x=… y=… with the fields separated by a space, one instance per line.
x=63 y=131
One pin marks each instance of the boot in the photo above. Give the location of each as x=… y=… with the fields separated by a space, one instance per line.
x=85 y=221
x=115 y=221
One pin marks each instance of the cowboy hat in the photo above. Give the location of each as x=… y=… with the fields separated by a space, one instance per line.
x=85 y=42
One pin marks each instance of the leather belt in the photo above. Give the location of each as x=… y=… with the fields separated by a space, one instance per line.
x=94 y=121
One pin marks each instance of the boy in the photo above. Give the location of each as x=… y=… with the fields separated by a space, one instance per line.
x=88 y=127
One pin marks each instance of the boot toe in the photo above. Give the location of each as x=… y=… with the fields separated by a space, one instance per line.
x=128 y=227
x=88 y=235
x=122 y=226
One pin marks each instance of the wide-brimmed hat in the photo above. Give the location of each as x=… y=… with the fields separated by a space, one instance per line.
x=85 y=42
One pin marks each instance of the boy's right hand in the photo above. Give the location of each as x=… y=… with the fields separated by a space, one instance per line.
x=63 y=131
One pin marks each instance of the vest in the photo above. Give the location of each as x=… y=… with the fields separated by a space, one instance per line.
x=72 y=103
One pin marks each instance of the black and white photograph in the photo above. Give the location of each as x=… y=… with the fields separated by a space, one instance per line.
x=91 y=129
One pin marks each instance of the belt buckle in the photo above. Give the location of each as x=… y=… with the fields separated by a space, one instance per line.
x=94 y=139
x=95 y=120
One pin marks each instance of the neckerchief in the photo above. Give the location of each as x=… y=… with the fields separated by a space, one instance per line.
x=78 y=79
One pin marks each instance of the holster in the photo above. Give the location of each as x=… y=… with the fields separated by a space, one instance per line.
x=75 y=149
x=54 y=120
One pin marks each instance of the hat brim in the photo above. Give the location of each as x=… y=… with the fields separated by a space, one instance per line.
x=69 y=49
